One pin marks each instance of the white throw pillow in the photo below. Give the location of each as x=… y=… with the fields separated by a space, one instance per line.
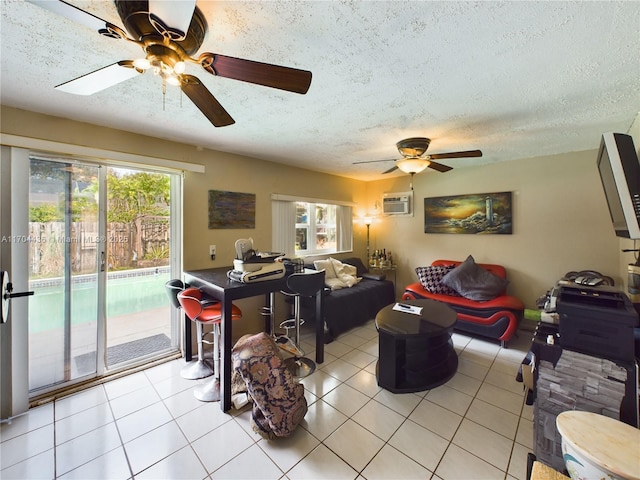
x=327 y=266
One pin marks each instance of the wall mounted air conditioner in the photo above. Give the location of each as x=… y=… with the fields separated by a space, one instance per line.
x=399 y=203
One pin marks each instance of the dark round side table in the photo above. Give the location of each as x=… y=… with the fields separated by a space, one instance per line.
x=415 y=351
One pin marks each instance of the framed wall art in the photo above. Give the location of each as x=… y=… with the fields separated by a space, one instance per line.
x=232 y=209
x=482 y=213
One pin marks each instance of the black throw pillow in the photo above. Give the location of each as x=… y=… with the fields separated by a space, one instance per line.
x=474 y=282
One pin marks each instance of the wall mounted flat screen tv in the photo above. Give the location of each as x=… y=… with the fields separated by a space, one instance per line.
x=619 y=169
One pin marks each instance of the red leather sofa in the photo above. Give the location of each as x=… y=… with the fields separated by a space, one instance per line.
x=496 y=318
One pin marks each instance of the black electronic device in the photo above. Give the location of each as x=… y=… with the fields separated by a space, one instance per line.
x=619 y=169
x=597 y=321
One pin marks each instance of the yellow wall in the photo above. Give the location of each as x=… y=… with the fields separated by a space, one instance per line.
x=222 y=172
x=561 y=222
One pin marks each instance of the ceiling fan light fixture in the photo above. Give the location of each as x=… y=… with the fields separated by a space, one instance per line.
x=179 y=67
x=412 y=165
x=142 y=63
x=172 y=80
x=413 y=147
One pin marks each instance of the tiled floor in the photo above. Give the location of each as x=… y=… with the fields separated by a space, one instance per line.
x=149 y=426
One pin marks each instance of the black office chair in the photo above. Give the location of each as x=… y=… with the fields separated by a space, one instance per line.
x=201 y=367
x=302 y=285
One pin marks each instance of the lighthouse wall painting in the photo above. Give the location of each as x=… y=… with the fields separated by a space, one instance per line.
x=480 y=213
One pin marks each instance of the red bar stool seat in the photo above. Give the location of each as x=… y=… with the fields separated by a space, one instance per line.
x=206 y=312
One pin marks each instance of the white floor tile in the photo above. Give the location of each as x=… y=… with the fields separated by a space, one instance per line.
x=504 y=380
x=126 y=385
x=464 y=383
x=391 y=464
x=322 y=419
x=353 y=340
x=481 y=358
x=150 y=448
x=80 y=401
x=337 y=348
x=471 y=368
x=112 y=465
x=82 y=422
x=288 y=451
x=252 y=464
x=320 y=383
x=202 y=420
x=474 y=426
x=458 y=464
x=22 y=447
x=484 y=443
x=346 y=399
x=371 y=347
x=181 y=465
x=512 y=402
x=222 y=444
x=524 y=435
x=486 y=347
x=364 y=382
x=172 y=385
x=32 y=420
x=136 y=400
x=181 y=403
x=518 y=462
x=87 y=447
x=166 y=370
x=340 y=369
x=37 y=467
x=142 y=421
x=494 y=418
x=354 y=444
x=359 y=358
x=450 y=398
x=403 y=403
x=436 y=418
x=322 y=463
x=378 y=419
x=420 y=444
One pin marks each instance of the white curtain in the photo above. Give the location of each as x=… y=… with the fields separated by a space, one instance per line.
x=283 y=227
x=344 y=227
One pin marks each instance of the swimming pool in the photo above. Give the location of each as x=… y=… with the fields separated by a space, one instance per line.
x=127 y=292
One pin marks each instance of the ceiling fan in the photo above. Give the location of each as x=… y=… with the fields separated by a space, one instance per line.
x=414 y=159
x=170 y=32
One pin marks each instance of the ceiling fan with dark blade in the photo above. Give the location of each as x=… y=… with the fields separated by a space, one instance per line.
x=170 y=32
x=414 y=159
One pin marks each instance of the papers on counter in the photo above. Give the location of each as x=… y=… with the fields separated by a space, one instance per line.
x=403 y=307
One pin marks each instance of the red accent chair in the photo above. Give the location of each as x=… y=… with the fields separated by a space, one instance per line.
x=497 y=318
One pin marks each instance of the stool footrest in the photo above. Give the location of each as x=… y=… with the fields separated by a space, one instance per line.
x=290 y=323
x=286 y=344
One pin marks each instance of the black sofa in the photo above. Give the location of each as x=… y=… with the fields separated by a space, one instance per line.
x=346 y=308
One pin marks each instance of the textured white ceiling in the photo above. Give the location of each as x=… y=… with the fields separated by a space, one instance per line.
x=513 y=79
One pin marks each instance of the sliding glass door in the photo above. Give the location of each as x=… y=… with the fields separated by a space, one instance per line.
x=64 y=262
x=100 y=242
x=139 y=232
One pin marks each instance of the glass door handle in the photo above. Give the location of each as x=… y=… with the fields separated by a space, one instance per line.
x=102 y=261
x=7 y=294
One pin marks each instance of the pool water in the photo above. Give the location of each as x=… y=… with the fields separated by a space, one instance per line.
x=124 y=296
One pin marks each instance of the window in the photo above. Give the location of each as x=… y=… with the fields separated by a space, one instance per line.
x=302 y=227
x=315 y=228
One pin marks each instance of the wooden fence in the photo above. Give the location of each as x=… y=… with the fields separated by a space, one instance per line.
x=143 y=243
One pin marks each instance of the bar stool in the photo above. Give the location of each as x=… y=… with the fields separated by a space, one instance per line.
x=201 y=367
x=301 y=285
x=206 y=312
